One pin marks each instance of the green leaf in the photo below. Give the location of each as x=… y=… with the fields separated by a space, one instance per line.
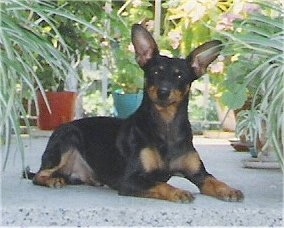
x=236 y=98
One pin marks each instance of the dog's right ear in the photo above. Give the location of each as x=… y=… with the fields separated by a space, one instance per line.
x=144 y=44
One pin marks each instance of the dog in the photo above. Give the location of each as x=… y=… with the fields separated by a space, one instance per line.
x=138 y=155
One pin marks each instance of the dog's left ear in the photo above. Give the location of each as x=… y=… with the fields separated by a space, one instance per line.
x=202 y=56
x=144 y=44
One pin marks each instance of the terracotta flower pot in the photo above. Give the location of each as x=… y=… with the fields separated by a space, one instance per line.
x=62 y=106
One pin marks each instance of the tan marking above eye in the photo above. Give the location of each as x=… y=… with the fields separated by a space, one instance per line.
x=177 y=71
x=161 y=67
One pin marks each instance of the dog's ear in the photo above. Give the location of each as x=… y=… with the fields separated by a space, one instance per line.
x=144 y=44
x=202 y=56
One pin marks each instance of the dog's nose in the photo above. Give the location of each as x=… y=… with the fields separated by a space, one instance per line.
x=163 y=93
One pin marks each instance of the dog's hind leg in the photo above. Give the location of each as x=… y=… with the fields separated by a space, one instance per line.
x=71 y=169
x=62 y=162
x=48 y=174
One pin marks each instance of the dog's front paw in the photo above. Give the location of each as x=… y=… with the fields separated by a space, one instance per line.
x=220 y=190
x=180 y=196
x=229 y=194
x=165 y=191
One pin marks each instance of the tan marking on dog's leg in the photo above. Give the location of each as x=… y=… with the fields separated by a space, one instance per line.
x=164 y=191
x=78 y=168
x=220 y=190
x=44 y=177
x=189 y=162
x=151 y=159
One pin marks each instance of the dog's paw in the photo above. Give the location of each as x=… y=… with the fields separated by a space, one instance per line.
x=180 y=196
x=165 y=191
x=230 y=194
x=56 y=182
x=220 y=190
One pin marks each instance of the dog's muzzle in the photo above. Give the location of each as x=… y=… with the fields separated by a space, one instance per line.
x=163 y=93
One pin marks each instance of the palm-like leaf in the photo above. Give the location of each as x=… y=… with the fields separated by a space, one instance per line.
x=21 y=44
x=261 y=37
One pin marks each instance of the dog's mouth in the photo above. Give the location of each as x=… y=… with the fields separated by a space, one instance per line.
x=164 y=103
x=165 y=98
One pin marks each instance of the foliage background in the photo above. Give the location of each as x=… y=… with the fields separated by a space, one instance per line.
x=43 y=36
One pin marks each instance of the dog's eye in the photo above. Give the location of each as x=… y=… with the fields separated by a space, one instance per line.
x=178 y=73
x=156 y=73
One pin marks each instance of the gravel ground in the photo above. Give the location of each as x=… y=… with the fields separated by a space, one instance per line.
x=24 y=204
x=107 y=216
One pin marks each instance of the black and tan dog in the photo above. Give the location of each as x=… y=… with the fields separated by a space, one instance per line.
x=138 y=155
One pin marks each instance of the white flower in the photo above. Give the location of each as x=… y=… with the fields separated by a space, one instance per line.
x=107 y=7
x=131 y=48
x=137 y=3
x=150 y=25
x=239 y=30
x=220 y=58
x=190 y=6
x=104 y=43
x=173 y=3
x=235 y=57
x=175 y=38
x=217 y=67
x=199 y=14
x=251 y=8
x=209 y=4
x=194 y=9
x=226 y=22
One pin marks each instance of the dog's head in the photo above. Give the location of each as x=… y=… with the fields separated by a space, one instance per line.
x=168 y=80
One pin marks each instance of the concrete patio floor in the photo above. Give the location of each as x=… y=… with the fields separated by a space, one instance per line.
x=24 y=204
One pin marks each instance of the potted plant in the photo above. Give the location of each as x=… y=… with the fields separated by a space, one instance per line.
x=255 y=42
x=127 y=83
x=250 y=124
x=22 y=43
x=56 y=106
x=127 y=78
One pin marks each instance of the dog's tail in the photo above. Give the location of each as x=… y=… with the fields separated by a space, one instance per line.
x=27 y=174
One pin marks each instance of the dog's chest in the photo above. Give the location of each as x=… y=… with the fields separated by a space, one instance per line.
x=160 y=159
x=170 y=136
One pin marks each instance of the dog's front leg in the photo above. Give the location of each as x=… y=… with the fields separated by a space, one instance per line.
x=191 y=166
x=146 y=176
x=139 y=186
